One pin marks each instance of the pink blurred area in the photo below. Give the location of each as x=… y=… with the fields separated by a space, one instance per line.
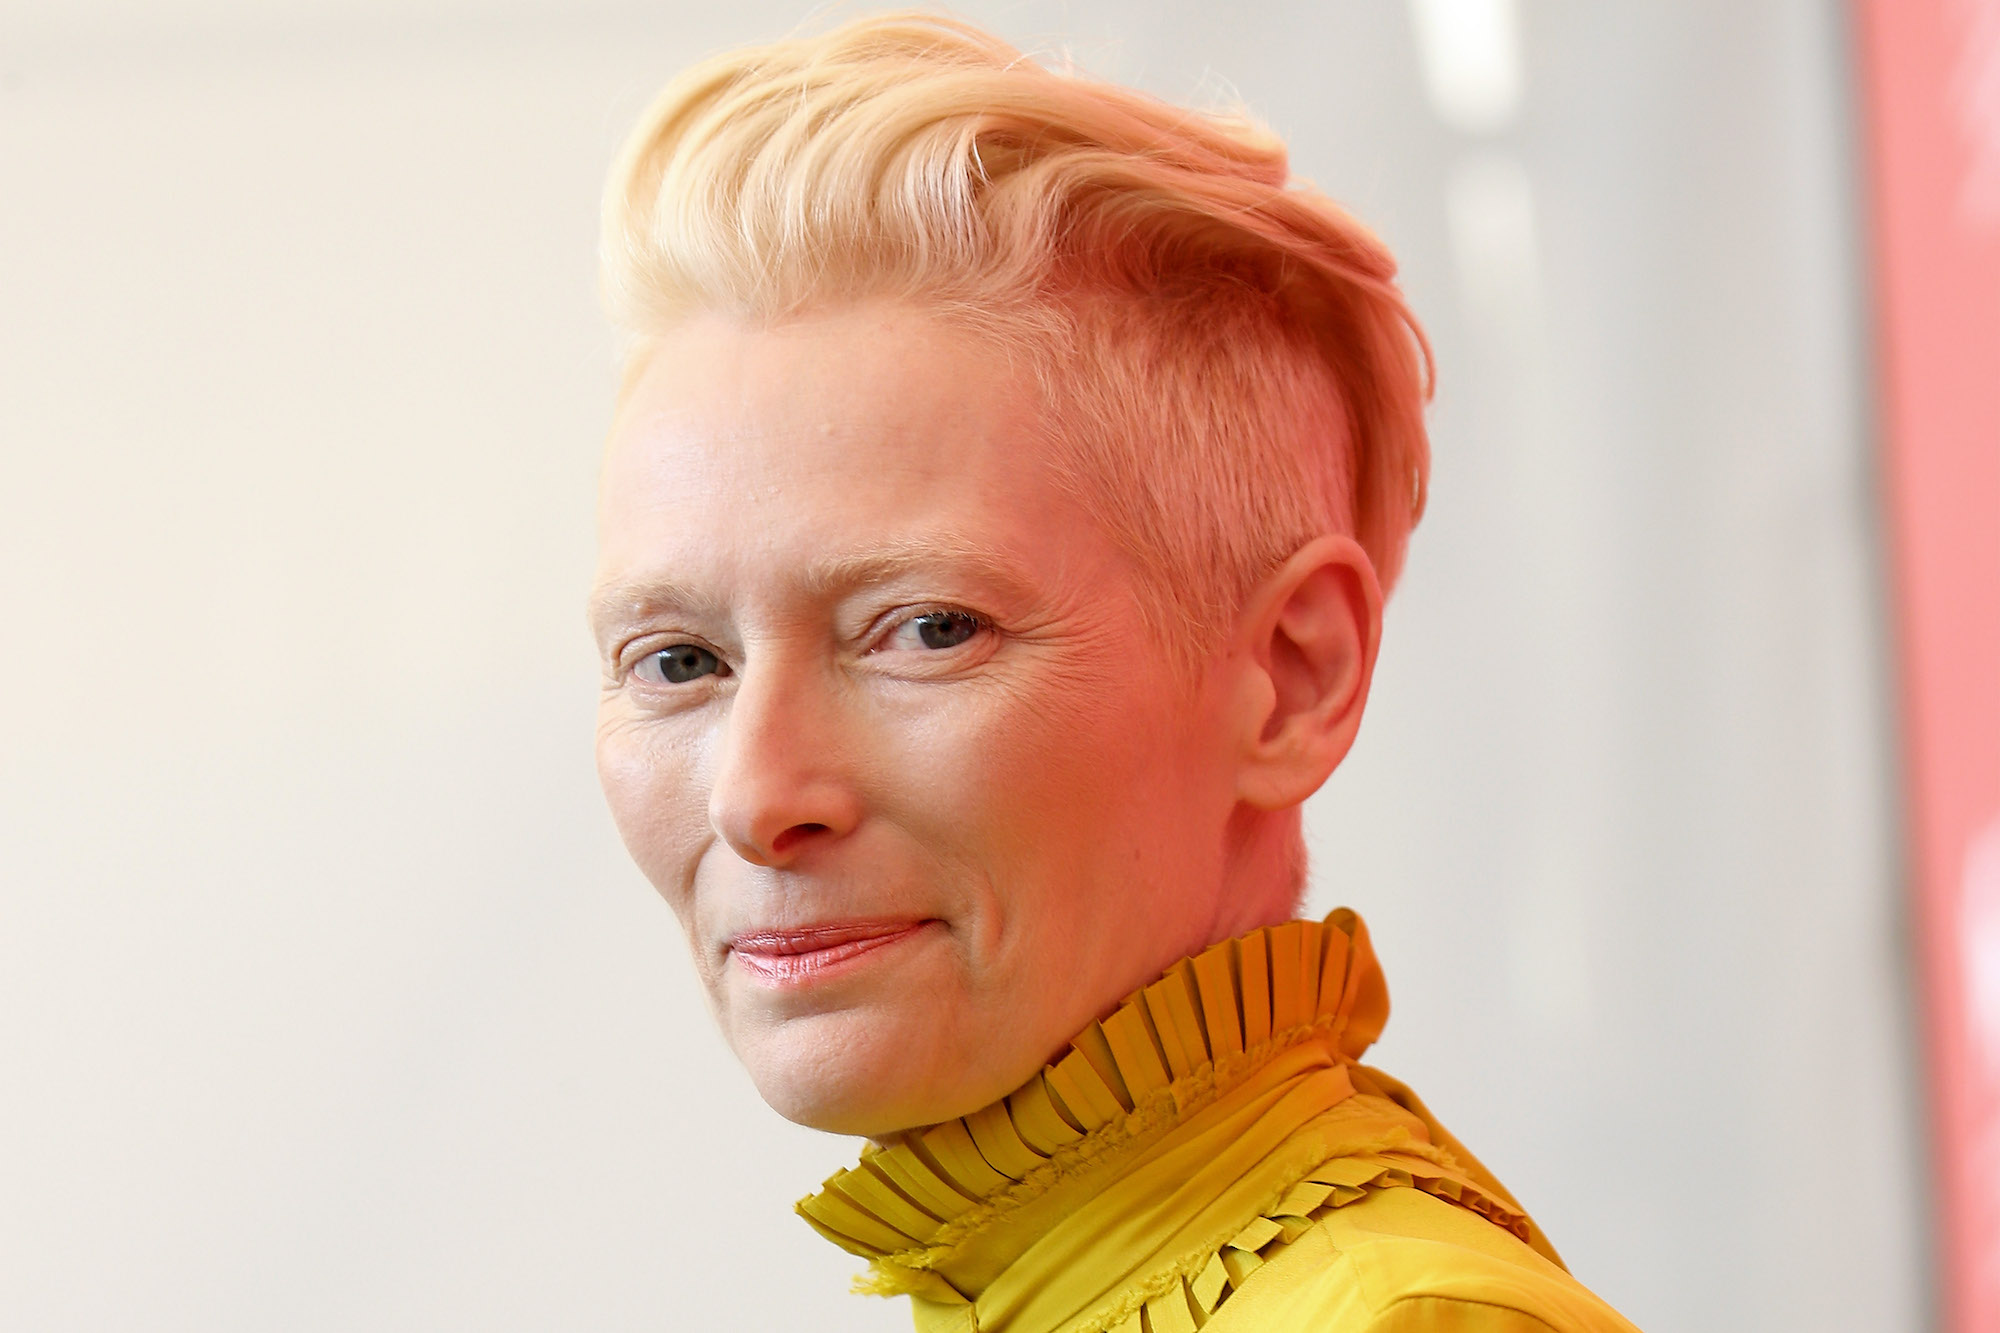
x=1931 y=95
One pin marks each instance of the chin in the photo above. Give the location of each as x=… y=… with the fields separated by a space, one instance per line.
x=847 y=1101
x=825 y=1074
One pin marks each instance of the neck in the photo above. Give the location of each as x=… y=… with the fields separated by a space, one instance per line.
x=1264 y=874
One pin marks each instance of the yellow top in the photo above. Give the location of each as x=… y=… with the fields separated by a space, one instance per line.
x=1210 y=1155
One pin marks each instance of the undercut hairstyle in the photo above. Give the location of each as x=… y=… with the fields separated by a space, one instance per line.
x=1226 y=366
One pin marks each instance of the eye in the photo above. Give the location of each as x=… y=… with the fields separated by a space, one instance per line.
x=936 y=630
x=677 y=665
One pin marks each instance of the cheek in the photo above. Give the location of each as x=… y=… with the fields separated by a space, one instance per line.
x=1041 y=771
x=652 y=784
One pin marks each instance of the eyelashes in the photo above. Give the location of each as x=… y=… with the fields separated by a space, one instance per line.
x=678 y=664
x=932 y=630
x=936 y=630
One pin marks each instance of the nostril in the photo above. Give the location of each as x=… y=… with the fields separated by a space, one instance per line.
x=784 y=841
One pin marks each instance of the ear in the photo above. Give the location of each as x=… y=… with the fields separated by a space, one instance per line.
x=1306 y=645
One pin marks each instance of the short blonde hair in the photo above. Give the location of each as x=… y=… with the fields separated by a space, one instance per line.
x=1227 y=366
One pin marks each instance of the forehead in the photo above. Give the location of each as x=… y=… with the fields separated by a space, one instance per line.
x=853 y=436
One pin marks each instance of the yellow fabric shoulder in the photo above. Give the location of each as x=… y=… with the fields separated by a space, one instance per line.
x=1209 y=1155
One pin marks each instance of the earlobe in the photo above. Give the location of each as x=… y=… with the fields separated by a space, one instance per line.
x=1308 y=639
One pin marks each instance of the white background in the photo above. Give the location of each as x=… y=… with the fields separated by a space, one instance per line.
x=327 y=999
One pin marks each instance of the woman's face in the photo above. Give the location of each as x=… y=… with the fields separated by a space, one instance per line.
x=881 y=720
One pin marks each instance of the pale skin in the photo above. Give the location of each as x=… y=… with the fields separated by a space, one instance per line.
x=882 y=723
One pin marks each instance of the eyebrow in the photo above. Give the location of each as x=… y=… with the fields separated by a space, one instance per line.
x=633 y=600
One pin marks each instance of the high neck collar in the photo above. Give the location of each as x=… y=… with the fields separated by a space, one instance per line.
x=1170 y=1126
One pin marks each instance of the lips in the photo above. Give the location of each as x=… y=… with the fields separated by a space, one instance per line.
x=795 y=957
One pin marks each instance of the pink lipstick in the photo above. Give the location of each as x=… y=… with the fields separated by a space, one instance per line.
x=795 y=957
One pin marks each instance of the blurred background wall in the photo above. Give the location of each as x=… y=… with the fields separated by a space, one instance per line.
x=327 y=998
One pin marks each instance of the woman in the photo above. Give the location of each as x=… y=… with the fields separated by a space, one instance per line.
x=1008 y=473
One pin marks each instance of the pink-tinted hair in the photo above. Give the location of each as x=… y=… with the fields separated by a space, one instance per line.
x=1228 y=367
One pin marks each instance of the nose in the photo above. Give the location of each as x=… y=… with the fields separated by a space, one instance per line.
x=783 y=781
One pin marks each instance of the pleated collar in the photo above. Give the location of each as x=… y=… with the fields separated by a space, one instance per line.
x=1125 y=1168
